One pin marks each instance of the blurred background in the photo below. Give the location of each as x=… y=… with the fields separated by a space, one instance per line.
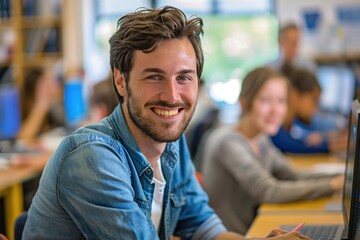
x=72 y=38
x=53 y=53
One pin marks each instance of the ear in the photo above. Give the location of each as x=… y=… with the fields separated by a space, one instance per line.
x=120 y=83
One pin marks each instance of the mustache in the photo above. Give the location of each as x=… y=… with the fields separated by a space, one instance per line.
x=168 y=105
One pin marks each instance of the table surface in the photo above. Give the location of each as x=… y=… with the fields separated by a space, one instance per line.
x=326 y=210
x=22 y=168
x=331 y=203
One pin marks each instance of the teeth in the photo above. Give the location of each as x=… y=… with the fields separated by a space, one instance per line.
x=166 y=113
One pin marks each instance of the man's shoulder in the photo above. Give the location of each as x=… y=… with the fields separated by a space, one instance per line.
x=89 y=139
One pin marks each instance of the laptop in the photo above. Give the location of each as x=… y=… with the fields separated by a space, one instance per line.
x=351 y=192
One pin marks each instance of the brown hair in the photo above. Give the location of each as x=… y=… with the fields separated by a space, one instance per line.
x=145 y=29
x=301 y=80
x=254 y=81
x=286 y=27
x=104 y=94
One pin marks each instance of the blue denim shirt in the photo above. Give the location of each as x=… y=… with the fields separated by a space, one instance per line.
x=98 y=185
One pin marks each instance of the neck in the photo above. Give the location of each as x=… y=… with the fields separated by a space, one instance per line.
x=246 y=128
x=251 y=134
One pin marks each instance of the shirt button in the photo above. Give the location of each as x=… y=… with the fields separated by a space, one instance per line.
x=148 y=171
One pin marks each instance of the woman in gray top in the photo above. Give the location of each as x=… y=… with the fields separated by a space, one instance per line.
x=243 y=169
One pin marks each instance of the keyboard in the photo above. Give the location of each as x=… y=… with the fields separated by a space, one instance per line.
x=319 y=232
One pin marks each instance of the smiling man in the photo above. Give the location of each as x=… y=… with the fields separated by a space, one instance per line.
x=130 y=176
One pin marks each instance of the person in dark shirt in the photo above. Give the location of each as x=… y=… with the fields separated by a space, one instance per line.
x=303 y=104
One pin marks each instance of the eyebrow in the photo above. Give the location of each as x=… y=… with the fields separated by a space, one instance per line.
x=158 y=70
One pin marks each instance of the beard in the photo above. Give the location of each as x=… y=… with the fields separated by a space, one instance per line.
x=152 y=129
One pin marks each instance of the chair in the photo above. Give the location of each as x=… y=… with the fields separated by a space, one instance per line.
x=19 y=225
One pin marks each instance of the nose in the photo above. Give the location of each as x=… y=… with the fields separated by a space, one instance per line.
x=278 y=107
x=170 y=91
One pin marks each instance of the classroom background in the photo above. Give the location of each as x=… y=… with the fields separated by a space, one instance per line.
x=71 y=38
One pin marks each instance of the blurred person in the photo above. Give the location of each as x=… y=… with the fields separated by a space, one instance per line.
x=40 y=106
x=206 y=117
x=39 y=103
x=242 y=169
x=102 y=101
x=130 y=176
x=289 y=40
x=294 y=136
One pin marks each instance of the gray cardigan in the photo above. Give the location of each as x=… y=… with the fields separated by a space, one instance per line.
x=238 y=181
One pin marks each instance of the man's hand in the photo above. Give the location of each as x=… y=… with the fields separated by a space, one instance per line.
x=281 y=234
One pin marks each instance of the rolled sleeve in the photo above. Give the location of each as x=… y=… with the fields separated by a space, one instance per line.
x=210 y=229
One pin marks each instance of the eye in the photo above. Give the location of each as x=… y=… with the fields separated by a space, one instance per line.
x=265 y=99
x=184 y=78
x=153 y=77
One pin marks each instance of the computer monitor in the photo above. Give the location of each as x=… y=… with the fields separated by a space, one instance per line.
x=351 y=194
x=10 y=119
x=338 y=88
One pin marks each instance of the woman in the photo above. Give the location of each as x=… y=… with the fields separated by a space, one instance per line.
x=38 y=100
x=242 y=168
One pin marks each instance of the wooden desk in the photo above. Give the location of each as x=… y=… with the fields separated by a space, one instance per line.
x=305 y=162
x=324 y=204
x=264 y=223
x=24 y=167
x=301 y=162
x=318 y=211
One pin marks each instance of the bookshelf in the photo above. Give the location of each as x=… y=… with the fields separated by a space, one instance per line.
x=30 y=36
x=337 y=58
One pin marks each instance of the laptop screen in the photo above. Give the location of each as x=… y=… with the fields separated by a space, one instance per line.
x=352 y=186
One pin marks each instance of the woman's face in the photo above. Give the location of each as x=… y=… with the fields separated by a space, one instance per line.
x=269 y=106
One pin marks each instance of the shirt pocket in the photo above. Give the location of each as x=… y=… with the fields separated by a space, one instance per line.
x=177 y=202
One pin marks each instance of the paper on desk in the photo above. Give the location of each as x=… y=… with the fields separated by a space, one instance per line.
x=51 y=140
x=329 y=168
x=4 y=163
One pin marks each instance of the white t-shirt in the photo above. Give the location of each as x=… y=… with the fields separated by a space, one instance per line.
x=158 y=199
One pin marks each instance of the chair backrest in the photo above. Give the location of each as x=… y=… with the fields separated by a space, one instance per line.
x=19 y=225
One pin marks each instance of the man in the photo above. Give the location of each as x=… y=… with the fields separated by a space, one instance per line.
x=288 y=39
x=130 y=176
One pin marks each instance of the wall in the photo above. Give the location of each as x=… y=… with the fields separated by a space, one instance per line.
x=331 y=36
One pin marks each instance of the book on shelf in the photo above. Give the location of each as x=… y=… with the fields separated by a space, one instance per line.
x=5 y=9
x=44 y=8
x=52 y=43
x=5 y=75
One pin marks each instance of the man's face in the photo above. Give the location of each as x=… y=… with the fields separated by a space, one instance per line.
x=289 y=43
x=307 y=104
x=161 y=93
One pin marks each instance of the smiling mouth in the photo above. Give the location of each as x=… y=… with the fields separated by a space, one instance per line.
x=166 y=113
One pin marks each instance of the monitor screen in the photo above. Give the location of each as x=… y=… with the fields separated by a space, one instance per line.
x=10 y=120
x=337 y=88
x=350 y=200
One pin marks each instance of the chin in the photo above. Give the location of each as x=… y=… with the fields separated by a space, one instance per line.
x=272 y=131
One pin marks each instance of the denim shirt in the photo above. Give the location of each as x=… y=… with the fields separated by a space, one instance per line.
x=98 y=185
